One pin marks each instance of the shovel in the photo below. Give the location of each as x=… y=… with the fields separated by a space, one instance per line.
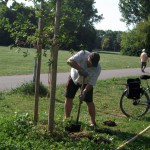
x=76 y=127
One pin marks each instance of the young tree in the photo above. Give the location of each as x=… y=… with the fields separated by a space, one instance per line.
x=38 y=62
x=25 y=31
x=55 y=48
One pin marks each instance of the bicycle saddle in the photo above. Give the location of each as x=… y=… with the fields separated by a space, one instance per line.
x=144 y=77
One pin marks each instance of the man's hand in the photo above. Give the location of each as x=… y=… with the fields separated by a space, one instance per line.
x=82 y=96
x=83 y=73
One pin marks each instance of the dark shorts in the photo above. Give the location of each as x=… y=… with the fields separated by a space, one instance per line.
x=143 y=64
x=71 y=90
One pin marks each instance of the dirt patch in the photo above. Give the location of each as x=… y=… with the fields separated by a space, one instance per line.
x=105 y=130
x=110 y=123
x=78 y=136
x=100 y=139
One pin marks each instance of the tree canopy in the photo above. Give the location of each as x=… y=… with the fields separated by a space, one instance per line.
x=76 y=26
x=134 y=11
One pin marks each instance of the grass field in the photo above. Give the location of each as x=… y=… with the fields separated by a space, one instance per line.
x=13 y=62
x=17 y=131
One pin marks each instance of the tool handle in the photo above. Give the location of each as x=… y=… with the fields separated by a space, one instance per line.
x=80 y=102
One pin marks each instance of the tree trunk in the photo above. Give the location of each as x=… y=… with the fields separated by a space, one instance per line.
x=38 y=68
x=55 y=48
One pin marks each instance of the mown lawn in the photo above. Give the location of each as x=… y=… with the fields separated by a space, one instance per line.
x=18 y=132
x=13 y=62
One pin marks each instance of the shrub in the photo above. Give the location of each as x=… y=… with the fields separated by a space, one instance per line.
x=2 y=96
x=28 y=88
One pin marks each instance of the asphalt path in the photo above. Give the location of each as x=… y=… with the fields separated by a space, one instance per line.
x=9 y=82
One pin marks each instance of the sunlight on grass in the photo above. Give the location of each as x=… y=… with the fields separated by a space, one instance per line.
x=13 y=62
x=107 y=95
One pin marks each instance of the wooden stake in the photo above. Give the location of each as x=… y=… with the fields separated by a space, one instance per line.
x=132 y=139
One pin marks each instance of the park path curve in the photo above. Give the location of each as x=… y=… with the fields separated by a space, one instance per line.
x=8 y=82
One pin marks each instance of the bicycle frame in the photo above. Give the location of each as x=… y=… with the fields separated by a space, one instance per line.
x=136 y=107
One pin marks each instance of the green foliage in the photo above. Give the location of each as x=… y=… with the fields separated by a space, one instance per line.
x=134 y=11
x=135 y=40
x=28 y=88
x=77 y=23
x=20 y=124
x=130 y=45
x=17 y=131
x=4 y=24
x=143 y=33
x=2 y=95
x=24 y=24
x=105 y=44
x=109 y=40
x=13 y=129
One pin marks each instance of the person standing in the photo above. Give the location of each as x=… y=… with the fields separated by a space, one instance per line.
x=83 y=65
x=143 y=60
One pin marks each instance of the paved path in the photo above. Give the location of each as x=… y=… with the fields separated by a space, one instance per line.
x=8 y=82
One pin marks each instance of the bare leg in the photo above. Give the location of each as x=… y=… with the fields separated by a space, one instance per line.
x=144 y=68
x=141 y=67
x=68 y=107
x=91 y=109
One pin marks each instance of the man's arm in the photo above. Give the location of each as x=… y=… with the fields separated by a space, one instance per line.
x=87 y=88
x=74 y=64
x=84 y=92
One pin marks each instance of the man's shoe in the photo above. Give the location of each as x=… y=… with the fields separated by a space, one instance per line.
x=93 y=126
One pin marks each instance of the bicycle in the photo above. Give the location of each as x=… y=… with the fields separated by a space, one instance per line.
x=137 y=103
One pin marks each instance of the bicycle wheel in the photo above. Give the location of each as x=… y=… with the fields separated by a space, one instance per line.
x=134 y=107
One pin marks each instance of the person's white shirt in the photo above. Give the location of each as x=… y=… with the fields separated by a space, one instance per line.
x=93 y=72
x=143 y=57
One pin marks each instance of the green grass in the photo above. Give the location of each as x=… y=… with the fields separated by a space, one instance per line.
x=16 y=132
x=13 y=63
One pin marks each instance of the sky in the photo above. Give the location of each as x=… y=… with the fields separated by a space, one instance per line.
x=111 y=15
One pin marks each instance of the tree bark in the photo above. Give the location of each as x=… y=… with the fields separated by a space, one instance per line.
x=38 y=69
x=55 y=48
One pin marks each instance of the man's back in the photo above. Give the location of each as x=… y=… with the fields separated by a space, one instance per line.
x=144 y=57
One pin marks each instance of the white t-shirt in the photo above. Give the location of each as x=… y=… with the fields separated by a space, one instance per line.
x=93 y=72
x=144 y=57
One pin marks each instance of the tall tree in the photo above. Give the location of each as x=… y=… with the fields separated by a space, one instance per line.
x=136 y=39
x=111 y=40
x=99 y=36
x=143 y=33
x=129 y=44
x=5 y=15
x=136 y=12
x=77 y=23
x=133 y=11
